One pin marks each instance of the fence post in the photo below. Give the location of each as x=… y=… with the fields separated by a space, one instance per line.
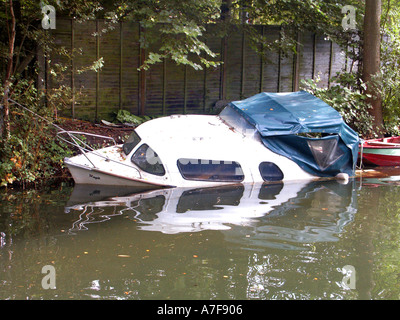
x=279 y=60
x=262 y=62
x=330 y=64
x=97 y=72
x=164 y=85
x=185 y=89
x=142 y=77
x=296 y=65
x=72 y=69
x=205 y=90
x=120 y=63
x=224 y=50
x=313 y=56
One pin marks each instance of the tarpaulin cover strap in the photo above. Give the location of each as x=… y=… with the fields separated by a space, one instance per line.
x=279 y=117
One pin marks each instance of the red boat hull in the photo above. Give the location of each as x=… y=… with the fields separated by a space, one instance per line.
x=380 y=160
x=381 y=152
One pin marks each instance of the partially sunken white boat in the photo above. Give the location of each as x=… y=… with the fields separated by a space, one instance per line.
x=260 y=139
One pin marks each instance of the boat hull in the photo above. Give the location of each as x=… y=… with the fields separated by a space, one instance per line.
x=383 y=160
x=90 y=176
x=382 y=152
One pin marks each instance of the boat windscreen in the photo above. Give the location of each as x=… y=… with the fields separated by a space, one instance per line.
x=131 y=143
x=234 y=119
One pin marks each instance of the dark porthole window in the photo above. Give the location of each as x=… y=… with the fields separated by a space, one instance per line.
x=210 y=170
x=147 y=160
x=270 y=172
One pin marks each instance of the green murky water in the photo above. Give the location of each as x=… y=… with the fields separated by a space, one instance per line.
x=319 y=240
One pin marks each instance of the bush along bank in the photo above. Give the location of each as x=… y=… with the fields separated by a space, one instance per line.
x=31 y=154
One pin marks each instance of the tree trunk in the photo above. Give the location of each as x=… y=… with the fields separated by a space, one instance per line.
x=371 y=59
x=7 y=80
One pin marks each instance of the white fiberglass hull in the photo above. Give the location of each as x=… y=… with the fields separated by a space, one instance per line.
x=86 y=175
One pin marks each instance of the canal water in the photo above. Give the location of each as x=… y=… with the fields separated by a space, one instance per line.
x=316 y=240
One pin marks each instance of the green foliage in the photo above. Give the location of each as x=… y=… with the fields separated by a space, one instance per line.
x=323 y=17
x=347 y=96
x=124 y=116
x=171 y=29
x=32 y=154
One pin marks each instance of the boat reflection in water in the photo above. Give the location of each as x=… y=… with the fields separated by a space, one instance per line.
x=254 y=215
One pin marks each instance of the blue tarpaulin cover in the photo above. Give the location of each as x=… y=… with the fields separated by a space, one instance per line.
x=280 y=117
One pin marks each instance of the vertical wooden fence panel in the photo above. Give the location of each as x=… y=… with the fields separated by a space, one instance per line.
x=322 y=59
x=194 y=90
x=72 y=69
x=252 y=68
x=109 y=77
x=213 y=92
x=85 y=82
x=270 y=61
x=338 y=60
x=121 y=54
x=175 y=89
x=155 y=88
x=97 y=73
x=63 y=38
x=234 y=63
x=286 y=73
x=130 y=64
x=306 y=55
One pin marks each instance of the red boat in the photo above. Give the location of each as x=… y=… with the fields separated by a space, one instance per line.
x=381 y=152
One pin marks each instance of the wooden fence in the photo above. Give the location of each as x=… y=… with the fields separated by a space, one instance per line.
x=167 y=88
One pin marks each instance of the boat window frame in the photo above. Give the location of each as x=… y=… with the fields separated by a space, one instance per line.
x=185 y=176
x=145 y=169
x=133 y=134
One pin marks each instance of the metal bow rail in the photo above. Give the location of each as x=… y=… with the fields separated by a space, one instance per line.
x=76 y=141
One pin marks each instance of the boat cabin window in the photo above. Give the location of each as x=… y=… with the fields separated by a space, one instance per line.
x=147 y=160
x=270 y=172
x=210 y=170
x=131 y=143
